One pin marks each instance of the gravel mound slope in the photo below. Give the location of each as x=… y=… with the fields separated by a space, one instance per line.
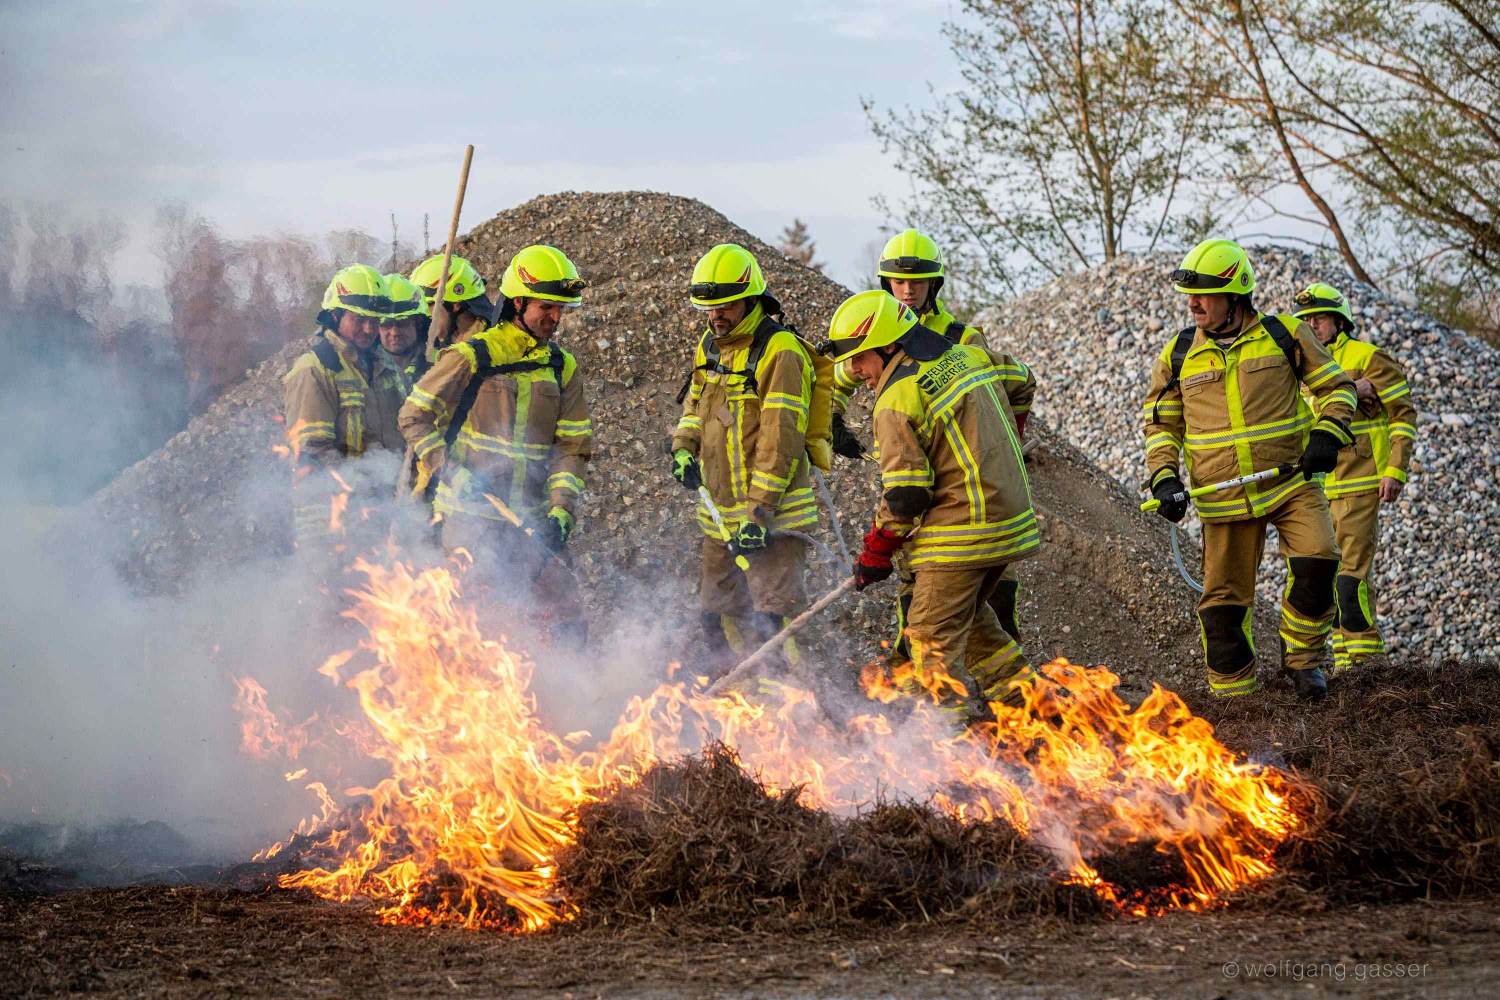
x=215 y=494
x=1095 y=336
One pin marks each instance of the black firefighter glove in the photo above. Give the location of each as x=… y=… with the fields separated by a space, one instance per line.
x=750 y=537
x=844 y=441
x=1173 y=496
x=556 y=528
x=686 y=470
x=1320 y=455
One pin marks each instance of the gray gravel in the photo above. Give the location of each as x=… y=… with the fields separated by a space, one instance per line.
x=1092 y=337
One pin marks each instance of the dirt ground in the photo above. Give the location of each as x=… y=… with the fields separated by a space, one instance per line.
x=214 y=942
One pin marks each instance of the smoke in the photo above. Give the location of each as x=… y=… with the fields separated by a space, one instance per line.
x=117 y=706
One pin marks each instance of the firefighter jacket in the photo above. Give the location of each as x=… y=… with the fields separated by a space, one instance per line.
x=1385 y=429
x=748 y=428
x=938 y=318
x=337 y=406
x=1237 y=410
x=401 y=370
x=513 y=418
x=951 y=473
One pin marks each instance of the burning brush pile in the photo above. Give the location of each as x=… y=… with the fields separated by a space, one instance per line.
x=741 y=808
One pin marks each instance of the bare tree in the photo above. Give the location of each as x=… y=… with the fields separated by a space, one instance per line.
x=1391 y=107
x=1070 y=142
x=798 y=245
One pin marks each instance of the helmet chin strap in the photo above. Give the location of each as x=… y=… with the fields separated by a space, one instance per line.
x=1231 y=322
x=520 y=319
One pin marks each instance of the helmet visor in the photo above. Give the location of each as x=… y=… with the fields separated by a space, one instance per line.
x=368 y=305
x=1307 y=300
x=714 y=290
x=839 y=349
x=1194 y=279
x=911 y=265
x=572 y=287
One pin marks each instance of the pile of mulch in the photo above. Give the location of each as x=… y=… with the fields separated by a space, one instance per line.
x=703 y=841
x=1407 y=758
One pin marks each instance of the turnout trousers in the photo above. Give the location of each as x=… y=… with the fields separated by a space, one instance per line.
x=1231 y=555
x=1356 y=524
x=955 y=633
x=744 y=608
x=1003 y=602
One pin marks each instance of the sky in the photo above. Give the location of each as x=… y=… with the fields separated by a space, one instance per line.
x=276 y=116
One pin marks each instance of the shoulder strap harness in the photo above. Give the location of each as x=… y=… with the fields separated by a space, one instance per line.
x=486 y=368
x=351 y=390
x=767 y=329
x=1184 y=340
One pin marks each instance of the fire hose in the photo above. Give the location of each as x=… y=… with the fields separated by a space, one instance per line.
x=833 y=515
x=1184 y=495
x=718 y=519
x=770 y=645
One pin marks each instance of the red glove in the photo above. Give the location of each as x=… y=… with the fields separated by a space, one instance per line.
x=1021 y=425
x=874 y=562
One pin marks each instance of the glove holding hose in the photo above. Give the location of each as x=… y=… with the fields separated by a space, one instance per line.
x=1172 y=493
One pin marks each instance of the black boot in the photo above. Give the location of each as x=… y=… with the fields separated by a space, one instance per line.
x=1309 y=685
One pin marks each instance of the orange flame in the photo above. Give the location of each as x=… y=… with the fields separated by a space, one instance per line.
x=481 y=796
x=292 y=450
x=262 y=733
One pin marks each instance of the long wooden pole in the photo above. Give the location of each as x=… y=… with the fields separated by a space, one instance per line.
x=439 y=324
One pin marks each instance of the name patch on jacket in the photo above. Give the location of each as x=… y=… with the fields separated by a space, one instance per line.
x=945 y=371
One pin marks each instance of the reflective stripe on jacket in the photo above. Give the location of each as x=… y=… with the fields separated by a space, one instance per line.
x=525 y=440
x=939 y=319
x=951 y=472
x=332 y=413
x=1385 y=429
x=1240 y=410
x=751 y=440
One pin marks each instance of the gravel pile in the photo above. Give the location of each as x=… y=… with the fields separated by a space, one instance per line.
x=1094 y=336
x=216 y=494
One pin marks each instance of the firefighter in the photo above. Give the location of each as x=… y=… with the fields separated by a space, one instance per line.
x=403 y=333
x=468 y=307
x=911 y=268
x=503 y=414
x=1369 y=474
x=1227 y=393
x=955 y=497
x=742 y=435
x=335 y=406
